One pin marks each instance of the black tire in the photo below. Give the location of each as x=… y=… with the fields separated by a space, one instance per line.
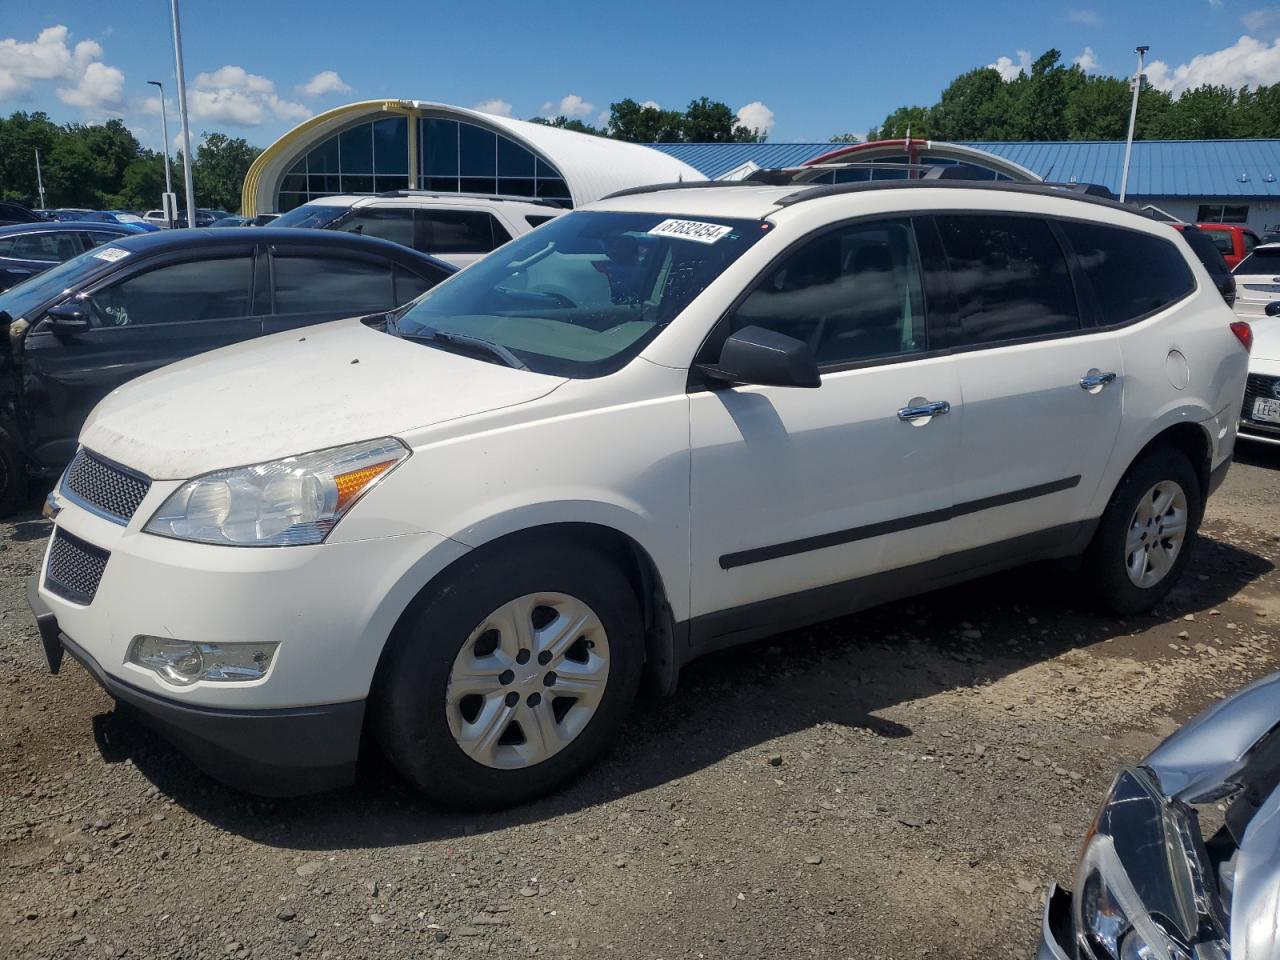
x=408 y=709
x=13 y=476
x=1104 y=564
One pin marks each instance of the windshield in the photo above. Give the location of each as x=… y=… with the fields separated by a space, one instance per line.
x=310 y=215
x=583 y=294
x=19 y=300
x=1262 y=260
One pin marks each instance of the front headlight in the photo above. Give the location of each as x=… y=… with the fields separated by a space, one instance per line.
x=296 y=500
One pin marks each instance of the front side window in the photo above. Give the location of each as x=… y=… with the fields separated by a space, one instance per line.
x=1132 y=274
x=459 y=231
x=388 y=223
x=852 y=294
x=177 y=293
x=1009 y=276
x=585 y=293
x=325 y=284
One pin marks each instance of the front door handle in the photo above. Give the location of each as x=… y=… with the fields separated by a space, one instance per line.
x=924 y=411
x=1093 y=381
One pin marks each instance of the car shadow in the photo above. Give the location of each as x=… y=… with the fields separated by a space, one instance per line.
x=1265 y=455
x=841 y=672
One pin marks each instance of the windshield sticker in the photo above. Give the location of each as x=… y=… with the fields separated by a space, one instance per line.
x=111 y=254
x=691 y=230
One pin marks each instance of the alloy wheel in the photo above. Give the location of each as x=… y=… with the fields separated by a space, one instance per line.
x=1156 y=534
x=527 y=681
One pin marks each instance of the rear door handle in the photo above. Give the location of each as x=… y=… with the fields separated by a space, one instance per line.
x=1095 y=381
x=924 y=411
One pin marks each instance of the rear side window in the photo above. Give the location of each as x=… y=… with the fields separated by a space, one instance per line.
x=460 y=231
x=1222 y=240
x=1205 y=250
x=1132 y=274
x=1010 y=278
x=1250 y=241
x=327 y=284
x=387 y=223
x=50 y=247
x=1265 y=260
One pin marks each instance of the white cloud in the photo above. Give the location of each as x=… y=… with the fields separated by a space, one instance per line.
x=1086 y=61
x=756 y=116
x=1008 y=69
x=652 y=105
x=1086 y=18
x=569 y=106
x=326 y=81
x=602 y=118
x=234 y=96
x=88 y=82
x=1263 y=23
x=1215 y=4
x=1247 y=62
x=495 y=106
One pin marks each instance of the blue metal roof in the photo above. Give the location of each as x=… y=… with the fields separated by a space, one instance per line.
x=1158 y=168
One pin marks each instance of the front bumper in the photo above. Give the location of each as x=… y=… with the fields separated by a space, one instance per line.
x=276 y=752
x=1056 y=937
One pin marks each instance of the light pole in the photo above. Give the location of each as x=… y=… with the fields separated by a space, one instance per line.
x=1133 y=117
x=39 y=179
x=169 y=201
x=182 y=111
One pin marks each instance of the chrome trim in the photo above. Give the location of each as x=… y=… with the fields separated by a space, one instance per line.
x=66 y=491
x=924 y=411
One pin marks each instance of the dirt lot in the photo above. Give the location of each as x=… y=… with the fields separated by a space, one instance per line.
x=898 y=784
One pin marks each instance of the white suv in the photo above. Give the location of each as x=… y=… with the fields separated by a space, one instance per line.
x=674 y=421
x=456 y=227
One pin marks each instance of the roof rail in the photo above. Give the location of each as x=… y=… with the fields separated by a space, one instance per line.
x=680 y=185
x=1070 y=192
x=506 y=197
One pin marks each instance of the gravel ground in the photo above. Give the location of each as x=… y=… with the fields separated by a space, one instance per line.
x=902 y=783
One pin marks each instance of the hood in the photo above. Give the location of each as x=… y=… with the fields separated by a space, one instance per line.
x=294 y=392
x=1266 y=338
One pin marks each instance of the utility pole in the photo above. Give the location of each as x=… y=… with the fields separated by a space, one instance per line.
x=182 y=110
x=39 y=179
x=170 y=202
x=1133 y=117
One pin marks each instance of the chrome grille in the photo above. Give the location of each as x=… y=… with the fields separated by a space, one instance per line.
x=105 y=487
x=75 y=568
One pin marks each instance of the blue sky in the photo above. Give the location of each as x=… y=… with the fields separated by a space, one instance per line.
x=257 y=68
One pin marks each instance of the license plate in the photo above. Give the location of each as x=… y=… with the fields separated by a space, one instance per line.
x=1267 y=410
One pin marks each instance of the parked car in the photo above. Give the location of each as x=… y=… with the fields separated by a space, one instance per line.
x=124 y=216
x=11 y=213
x=31 y=248
x=1257 y=279
x=83 y=328
x=262 y=219
x=1234 y=240
x=1260 y=412
x=1271 y=236
x=1150 y=883
x=673 y=421
x=157 y=219
x=1203 y=246
x=230 y=221
x=459 y=228
x=214 y=213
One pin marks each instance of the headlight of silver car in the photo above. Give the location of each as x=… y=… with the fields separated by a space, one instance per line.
x=288 y=502
x=1140 y=886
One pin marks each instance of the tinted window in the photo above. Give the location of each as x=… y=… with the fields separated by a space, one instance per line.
x=460 y=231
x=395 y=225
x=1222 y=240
x=49 y=247
x=851 y=294
x=1206 y=251
x=180 y=292
x=1009 y=276
x=324 y=284
x=537 y=221
x=1132 y=274
x=1264 y=260
x=310 y=215
x=97 y=239
x=1250 y=241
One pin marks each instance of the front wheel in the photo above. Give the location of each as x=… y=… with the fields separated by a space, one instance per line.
x=515 y=674
x=1143 y=541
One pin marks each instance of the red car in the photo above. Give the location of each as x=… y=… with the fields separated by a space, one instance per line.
x=1234 y=240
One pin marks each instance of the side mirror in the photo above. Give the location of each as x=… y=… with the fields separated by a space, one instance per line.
x=1273 y=308
x=766 y=358
x=68 y=319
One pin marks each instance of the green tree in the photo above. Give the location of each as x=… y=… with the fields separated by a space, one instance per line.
x=632 y=122
x=1099 y=110
x=846 y=138
x=710 y=121
x=916 y=120
x=221 y=163
x=974 y=106
x=142 y=185
x=566 y=123
x=20 y=136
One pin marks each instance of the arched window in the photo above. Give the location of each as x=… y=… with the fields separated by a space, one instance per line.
x=460 y=157
x=367 y=158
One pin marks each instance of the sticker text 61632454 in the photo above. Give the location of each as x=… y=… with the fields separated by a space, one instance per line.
x=691 y=230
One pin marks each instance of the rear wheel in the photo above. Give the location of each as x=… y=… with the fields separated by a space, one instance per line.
x=13 y=475
x=1144 y=538
x=513 y=676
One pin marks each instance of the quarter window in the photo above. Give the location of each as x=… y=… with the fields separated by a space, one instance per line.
x=307 y=284
x=180 y=292
x=1009 y=276
x=1132 y=274
x=852 y=294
